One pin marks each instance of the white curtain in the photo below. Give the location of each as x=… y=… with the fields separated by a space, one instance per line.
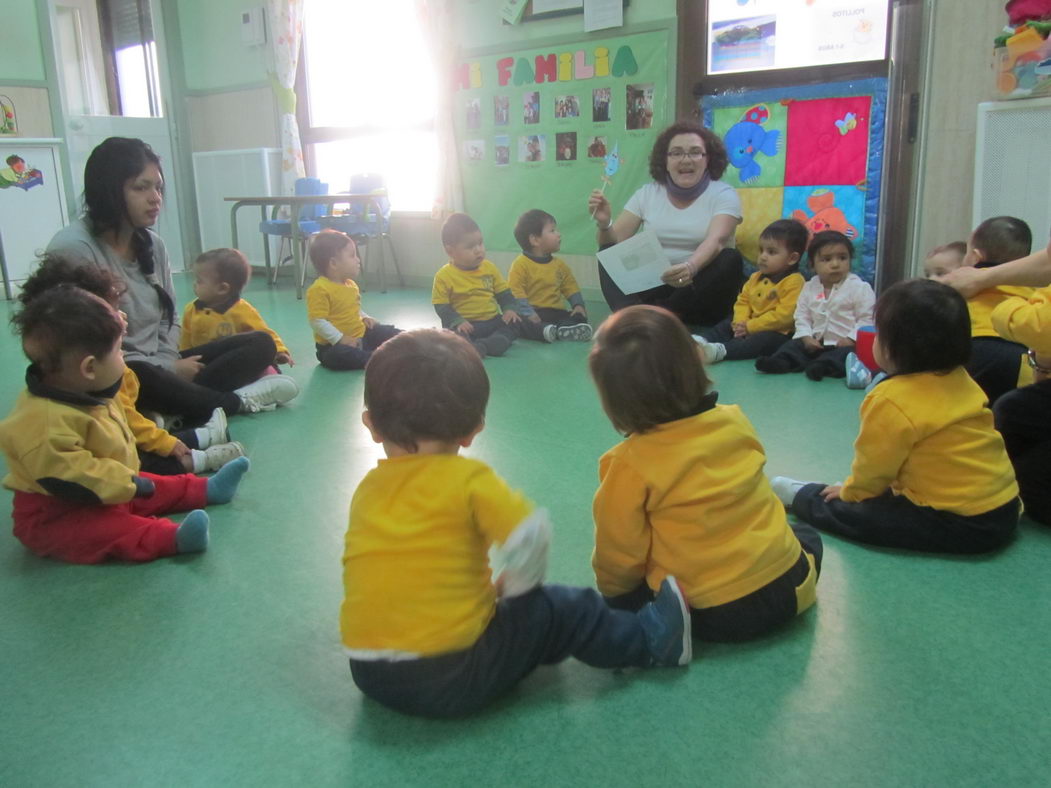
x=436 y=19
x=286 y=33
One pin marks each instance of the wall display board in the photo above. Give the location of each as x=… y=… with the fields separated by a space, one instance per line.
x=542 y=127
x=756 y=35
x=811 y=152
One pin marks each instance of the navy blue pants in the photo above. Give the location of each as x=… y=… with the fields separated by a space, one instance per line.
x=547 y=625
x=994 y=365
x=793 y=356
x=493 y=334
x=343 y=357
x=890 y=520
x=547 y=315
x=761 y=343
x=754 y=614
x=1023 y=417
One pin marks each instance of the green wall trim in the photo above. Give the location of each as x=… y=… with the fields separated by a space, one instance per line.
x=24 y=83
x=197 y=92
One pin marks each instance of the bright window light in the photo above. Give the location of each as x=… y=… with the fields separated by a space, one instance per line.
x=370 y=79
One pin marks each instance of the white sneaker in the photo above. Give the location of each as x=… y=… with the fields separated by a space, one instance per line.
x=711 y=352
x=786 y=489
x=267 y=393
x=550 y=332
x=214 y=431
x=215 y=457
x=580 y=332
x=167 y=423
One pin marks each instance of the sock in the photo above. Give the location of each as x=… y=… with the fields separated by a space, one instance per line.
x=198 y=458
x=223 y=485
x=192 y=534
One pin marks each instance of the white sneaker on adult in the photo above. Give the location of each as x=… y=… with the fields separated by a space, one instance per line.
x=267 y=393
x=786 y=489
x=214 y=431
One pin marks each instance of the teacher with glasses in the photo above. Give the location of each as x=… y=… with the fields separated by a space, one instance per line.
x=694 y=216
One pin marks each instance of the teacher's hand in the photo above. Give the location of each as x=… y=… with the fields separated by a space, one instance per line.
x=680 y=275
x=599 y=207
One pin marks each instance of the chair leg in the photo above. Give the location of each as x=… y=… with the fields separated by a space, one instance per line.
x=383 y=263
x=266 y=249
x=394 y=257
x=365 y=263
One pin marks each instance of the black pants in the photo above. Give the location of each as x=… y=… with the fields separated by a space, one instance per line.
x=548 y=316
x=761 y=343
x=164 y=391
x=493 y=334
x=1023 y=417
x=706 y=301
x=793 y=356
x=547 y=625
x=754 y=614
x=890 y=520
x=343 y=357
x=994 y=365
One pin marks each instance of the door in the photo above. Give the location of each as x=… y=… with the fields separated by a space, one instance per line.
x=111 y=71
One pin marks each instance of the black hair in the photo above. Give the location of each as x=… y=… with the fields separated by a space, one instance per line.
x=456 y=227
x=923 y=326
x=67 y=318
x=827 y=238
x=1002 y=239
x=531 y=223
x=715 y=151
x=789 y=232
x=55 y=269
x=425 y=385
x=325 y=246
x=112 y=163
x=231 y=266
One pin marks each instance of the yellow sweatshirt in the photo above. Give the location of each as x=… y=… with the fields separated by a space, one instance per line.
x=981 y=307
x=930 y=438
x=148 y=436
x=545 y=285
x=690 y=499
x=1026 y=321
x=202 y=324
x=335 y=303
x=416 y=566
x=766 y=305
x=472 y=294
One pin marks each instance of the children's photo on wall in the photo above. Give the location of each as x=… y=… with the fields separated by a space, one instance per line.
x=567 y=107
x=600 y=98
x=532 y=147
x=566 y=146
x=474 y=150
x=501 y=110
x=474 y=113
x=531 y=107
x=502 y=150
x=639 y=107
x=597 y=148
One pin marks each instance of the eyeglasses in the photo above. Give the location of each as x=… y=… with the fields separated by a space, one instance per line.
x=678 y=154
x=1031 y=357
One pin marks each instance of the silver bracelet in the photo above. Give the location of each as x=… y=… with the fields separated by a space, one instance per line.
x=608 y=227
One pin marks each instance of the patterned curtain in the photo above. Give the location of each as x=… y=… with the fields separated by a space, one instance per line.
x=436 y=20
x=286 y=33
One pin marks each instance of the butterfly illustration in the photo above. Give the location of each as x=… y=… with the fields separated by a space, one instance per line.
x=849 y=121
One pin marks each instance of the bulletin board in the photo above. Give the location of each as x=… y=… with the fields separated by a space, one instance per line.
x=811 y=152
x=542 y=127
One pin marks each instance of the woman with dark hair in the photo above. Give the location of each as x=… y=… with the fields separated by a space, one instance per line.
x=694 y=216
x=123 y=195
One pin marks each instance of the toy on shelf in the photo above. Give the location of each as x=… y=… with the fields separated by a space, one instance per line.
x=1022 y=60
x=8 y=122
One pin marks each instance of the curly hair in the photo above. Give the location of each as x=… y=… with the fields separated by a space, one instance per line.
x=717 y=161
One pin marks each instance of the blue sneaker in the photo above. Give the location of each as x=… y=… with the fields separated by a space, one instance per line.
x=666 y=622
x=858 y=375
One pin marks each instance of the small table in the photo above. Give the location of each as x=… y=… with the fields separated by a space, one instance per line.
x=295 y=203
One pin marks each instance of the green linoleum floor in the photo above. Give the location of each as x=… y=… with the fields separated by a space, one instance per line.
x=226 y=668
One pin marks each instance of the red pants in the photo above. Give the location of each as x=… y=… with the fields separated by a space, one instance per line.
x=89 y=534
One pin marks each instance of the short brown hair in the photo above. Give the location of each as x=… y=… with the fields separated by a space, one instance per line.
x=326 y=245
x=1002 y=239
x=923 y=326
x=956 y=247
x=647 y=369
x=713 y=146
x=66 y=318
x=425 y=385
x=231 y=266
x=531 y=223
x=456 y=227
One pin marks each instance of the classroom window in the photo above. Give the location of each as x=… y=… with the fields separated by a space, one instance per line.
x=370 y=104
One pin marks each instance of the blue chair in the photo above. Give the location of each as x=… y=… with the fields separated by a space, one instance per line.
x=367 y=221
x=309 y=224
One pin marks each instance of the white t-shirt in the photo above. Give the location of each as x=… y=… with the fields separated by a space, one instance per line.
x=681 y=230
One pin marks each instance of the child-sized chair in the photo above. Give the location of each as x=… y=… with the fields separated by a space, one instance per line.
x=368 y=222
x=309 y=225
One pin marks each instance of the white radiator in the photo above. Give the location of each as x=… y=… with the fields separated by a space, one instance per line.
x=1012 y=168
x=254 y=172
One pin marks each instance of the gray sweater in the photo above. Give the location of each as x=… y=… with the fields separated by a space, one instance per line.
x=149 y=336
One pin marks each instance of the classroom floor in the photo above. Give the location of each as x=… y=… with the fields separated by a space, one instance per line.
x=226 y=668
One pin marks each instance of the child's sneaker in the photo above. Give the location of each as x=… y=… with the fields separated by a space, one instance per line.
x=581 y=332
x=214 y=431
x=550 y=333
x=858 y=375
x=267 y=393
x=480 y=347
x=215 y=457
x=786 y=489
x=666 y=622
x=711 y=352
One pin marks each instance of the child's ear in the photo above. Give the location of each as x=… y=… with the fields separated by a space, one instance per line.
x=794 y=258
x=366 y=419
x=469 y=439
x=87 y=367
x=223 y=287
x=973 y=256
